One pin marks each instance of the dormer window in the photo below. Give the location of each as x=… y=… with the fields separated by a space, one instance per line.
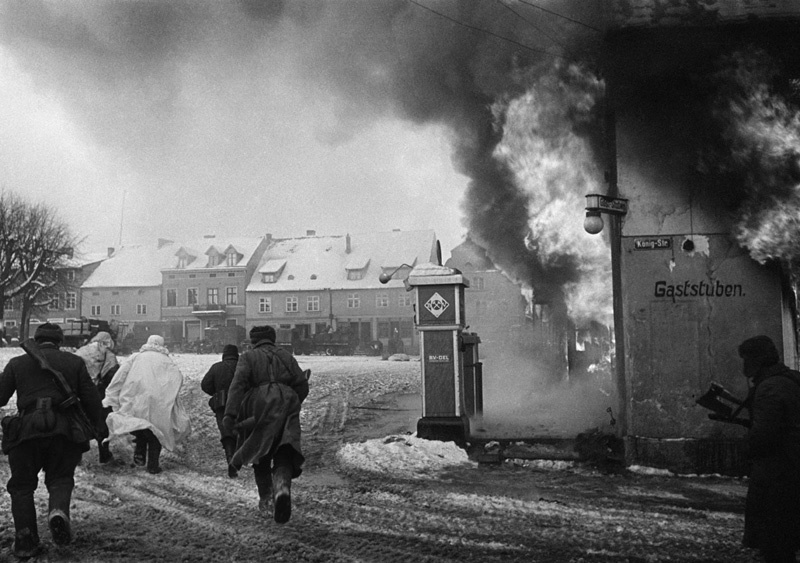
x=185 y=257
x=271 y=271
x=212 y=260
x=233 y=259
x=356 y=267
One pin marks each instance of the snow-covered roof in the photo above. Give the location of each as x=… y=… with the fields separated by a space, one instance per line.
x=322 y=262
x=133 y=266
x=201 y=248
x=81 y=259
x=272 y=266
x=356 y=262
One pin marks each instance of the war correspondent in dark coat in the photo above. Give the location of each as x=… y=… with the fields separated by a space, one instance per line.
x=267 y=391
x=772 y=508
x=217 y=382
x=42 y=439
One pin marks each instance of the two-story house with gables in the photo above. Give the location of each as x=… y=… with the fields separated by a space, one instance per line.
x=125 y=288
x=203 y=285
x=317 y=283
x=65 y=304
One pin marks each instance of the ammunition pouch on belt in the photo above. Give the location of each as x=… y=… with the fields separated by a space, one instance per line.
x=218 y=400
x=43 y=418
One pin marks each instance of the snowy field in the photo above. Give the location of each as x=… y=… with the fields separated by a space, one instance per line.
x=371 y=491
x=358 y=379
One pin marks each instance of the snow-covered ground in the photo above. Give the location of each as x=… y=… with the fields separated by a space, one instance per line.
x=372 y=491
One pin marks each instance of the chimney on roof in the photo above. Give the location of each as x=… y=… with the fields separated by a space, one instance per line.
x=209 y=236
x=311 y=233
x=110 y=251
x=347 y=247
x=396 y=230
x=162 y=242
x=268 y=238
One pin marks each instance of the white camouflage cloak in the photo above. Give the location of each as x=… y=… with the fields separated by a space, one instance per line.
x=144 y=394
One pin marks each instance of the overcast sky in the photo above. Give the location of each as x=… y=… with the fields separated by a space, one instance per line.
x=139 y=119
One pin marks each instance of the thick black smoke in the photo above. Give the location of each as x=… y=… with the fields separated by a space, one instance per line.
x=187 y=84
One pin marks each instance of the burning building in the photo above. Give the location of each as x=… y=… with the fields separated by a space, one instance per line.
x=689 y=114
x=703 y=122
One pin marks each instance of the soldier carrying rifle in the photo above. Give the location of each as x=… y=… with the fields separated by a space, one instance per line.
x=59 y=411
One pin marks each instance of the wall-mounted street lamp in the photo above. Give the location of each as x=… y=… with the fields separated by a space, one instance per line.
x=597 y=204
x=384 y=277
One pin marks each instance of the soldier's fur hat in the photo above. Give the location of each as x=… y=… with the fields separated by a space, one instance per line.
x=49 y=332
x=259 y=333
x=760 y=348
x=230 y=351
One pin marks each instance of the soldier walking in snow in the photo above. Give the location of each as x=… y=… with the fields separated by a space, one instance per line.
x=772 y=507
x=264 y=401
x=43 y=436
x=216 y=383
x=101 y=363
x=145 y=402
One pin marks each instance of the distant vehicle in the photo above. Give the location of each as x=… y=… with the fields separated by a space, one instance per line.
x=340 y=342
x=288 y=339
x=78 y=332
x=218 y=336
x=138 y=333
x=331 y=343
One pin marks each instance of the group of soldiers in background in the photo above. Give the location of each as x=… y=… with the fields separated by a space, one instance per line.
x=256 y=398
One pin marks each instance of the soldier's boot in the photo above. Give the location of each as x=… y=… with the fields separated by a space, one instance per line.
x=153 y=453
x=139 y=448
x=58 y=515
x=26 y=539
x=104 y=450
x=282 y=485
x=229 y=445
x=264 y=485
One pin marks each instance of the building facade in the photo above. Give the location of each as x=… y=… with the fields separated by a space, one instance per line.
x=125 y=288
x=689 y=289
x=321 y=283
x=65 y=305
x=495 y=304
x=204 y=285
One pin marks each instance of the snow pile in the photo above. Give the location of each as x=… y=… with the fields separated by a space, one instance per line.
x=403 y=456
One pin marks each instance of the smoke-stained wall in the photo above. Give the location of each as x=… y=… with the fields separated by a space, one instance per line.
x=706 y=119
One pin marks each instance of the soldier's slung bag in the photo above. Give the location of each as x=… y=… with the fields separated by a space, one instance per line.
x=80 y=429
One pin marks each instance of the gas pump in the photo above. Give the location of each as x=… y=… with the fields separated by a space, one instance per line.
x=451 y=372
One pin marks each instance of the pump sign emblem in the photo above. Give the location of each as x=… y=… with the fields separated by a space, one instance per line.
x=436 y=305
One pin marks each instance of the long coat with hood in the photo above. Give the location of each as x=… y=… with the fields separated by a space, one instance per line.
x=269 y=386
x=101 y=362
x=772 y=509
x=144 y=395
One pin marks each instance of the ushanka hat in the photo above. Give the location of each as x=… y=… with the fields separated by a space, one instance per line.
x=49 y=332
x=761 y=350
x=259 y=333
x=230 y=351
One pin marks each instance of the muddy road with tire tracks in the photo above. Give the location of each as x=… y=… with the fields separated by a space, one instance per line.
x=517 y=511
